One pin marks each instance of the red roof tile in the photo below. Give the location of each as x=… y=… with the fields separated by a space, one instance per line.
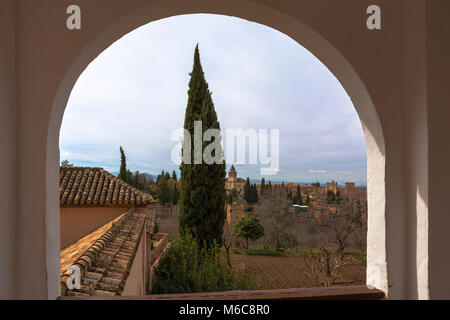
x=89 y=187
x=106 y=263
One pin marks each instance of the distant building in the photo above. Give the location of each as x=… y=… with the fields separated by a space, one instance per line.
x=234 y=212
x=332 y=186
x=300 y=209
x=233 y=182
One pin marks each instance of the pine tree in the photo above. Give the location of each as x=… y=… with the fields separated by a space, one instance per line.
x=123 y=174
x=202 y=198
x=174 y=175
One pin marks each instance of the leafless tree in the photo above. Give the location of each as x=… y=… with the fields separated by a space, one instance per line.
x=323 y=267
x=227 y=240
x=274 y=211
x=342 y=226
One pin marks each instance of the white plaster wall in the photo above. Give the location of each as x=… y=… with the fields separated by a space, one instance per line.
x=416 y=147
x=438 y=101
x=7 y=148
x=135 y=284
x=75 y=223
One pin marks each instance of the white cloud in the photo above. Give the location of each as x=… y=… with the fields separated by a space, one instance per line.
x=135 y=94
x=317 y=171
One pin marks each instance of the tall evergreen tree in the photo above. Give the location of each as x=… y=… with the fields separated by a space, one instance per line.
x=137 y=180
x=202 y=198
x=247 y=190
x=254 y=194
x=263 y=185
x=175 y=195
x=163 y=194
x=308 y=200
x=174 y=175
x=298 y=196
x=123 y=173
x=130 y=177
x=160 y=176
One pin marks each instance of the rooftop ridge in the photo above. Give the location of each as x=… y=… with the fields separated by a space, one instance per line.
x=78 y=168
x=94 y=186
x=105 y=265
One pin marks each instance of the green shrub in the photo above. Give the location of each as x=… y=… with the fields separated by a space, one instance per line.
x=264 y=252
x=187 y=268
x=257 y=252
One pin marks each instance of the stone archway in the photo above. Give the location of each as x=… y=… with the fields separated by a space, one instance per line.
x=301 y=32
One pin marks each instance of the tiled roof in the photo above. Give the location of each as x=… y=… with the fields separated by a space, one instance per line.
x=88 y=187
x=106 y=263
x=71 y=253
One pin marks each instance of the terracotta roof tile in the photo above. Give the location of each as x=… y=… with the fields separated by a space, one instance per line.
x=87 y=187
x=106 y=262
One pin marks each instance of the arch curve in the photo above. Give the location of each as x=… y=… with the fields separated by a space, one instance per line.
x=300 y=32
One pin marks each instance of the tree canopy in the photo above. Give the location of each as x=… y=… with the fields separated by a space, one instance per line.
x=248 y=227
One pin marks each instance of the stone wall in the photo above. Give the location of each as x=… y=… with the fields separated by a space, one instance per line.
x=161 y=245
x=167 y=218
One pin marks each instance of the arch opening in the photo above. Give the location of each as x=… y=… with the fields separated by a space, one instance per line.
x=296 y=30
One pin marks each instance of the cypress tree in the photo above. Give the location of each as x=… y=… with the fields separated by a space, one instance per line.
x=298 y=196
x=163 y=194
x=247 y=191
x=160 y=176
x=255 y=194
x=123 y=173
x=175 y=195
x=263 y=185
x=202 y=197
x=130 y=177
x=136 y=180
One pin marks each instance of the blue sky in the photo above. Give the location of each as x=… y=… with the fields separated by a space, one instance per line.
x=134 y=95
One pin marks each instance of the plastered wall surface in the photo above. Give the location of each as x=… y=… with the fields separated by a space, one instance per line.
x=396 y=81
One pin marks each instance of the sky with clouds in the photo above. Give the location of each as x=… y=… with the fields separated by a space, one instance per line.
x=134 y=95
